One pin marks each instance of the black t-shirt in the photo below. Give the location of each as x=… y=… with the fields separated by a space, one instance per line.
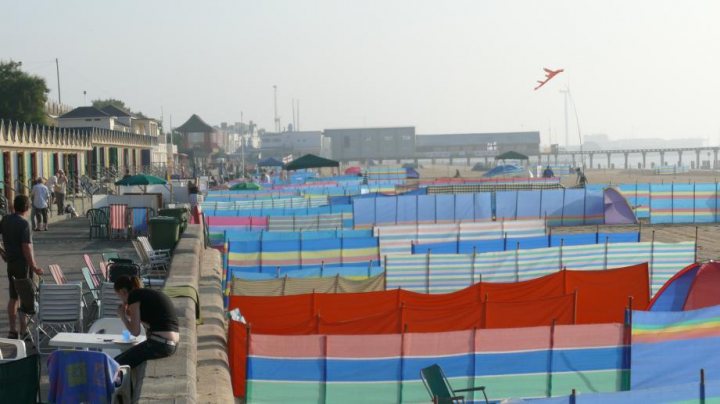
x=15 y=231
x=156 y=309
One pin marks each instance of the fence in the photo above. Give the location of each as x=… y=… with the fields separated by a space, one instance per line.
x=557 y=206
x=442 y=273
x=273 y=203
x=461 y=246
x=399 y=239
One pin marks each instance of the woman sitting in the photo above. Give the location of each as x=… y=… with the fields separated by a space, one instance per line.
x=156 y=312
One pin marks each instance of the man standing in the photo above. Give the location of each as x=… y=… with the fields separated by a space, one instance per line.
x=40 y=199
x=59 y=186
x=18 y=253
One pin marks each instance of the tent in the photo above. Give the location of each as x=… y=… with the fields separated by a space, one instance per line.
x=694 y=287
x=411 y=173
x=310 y=161
x=617 y=208
x=270 y=162
x=508 y=171
x=353 y=170
x=511 y=155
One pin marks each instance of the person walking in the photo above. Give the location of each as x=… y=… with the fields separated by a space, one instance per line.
x=40 y=198
x=17 y=252
x=156 y=312
x=59 y=188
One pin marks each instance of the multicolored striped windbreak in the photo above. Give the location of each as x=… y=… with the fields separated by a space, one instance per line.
x=443 y=273
x=518 y=362
x=671 y=347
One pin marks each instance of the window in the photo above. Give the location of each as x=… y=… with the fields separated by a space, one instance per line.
x=406 y=137
x=346 y=141
x=388 y=138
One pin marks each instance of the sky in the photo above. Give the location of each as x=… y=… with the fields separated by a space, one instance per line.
x=635 y=69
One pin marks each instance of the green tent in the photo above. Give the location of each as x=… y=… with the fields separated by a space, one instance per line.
x=245 y=186
x=511 y=155
x=141 y=179
x=310 y=161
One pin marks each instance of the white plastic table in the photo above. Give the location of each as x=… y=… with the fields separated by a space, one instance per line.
x=93 y=341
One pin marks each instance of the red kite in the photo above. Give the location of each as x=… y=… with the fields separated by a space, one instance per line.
x=549 y=74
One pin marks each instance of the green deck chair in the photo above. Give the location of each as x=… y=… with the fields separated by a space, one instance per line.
x=439 y=388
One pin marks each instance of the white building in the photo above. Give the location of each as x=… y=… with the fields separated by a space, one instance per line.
x=296 y=143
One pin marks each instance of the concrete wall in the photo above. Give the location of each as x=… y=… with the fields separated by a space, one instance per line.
x=199 y=370
x=371 y=143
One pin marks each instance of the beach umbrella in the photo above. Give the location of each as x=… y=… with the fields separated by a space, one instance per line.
x=251 y=186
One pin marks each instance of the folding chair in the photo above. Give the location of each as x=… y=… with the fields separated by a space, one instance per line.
x=118 y=221
x=57 y=274
x=91 y=297
x=98 y=276
x=60 y=310
x=151 y=264
x=155 y=254
x=439 y=388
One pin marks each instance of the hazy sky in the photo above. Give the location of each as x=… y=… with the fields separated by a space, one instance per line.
x=635 y=68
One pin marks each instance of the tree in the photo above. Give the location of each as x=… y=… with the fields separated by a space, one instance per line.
x=110 y=101
x=22 y=96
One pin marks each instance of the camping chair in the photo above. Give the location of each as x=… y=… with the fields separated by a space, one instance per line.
x=60 y=310
x=20 y=378
x=57 y=274
x=90 y=298
x=118 y=221
x=439 y=388
x=98 y=223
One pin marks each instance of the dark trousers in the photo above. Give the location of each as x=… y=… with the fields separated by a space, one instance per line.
x=60 y=201
x=41 y=215
x=144 y=351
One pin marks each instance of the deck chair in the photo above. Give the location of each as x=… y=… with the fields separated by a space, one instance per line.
x=140 y=217
x=20 y=380
x=107 y=256
x=98 y=223
x=60 y=310
x=98 y=276
x=57 y=274
x=156 y=254
x=118 y=221
x=439 y=388
x=91 y=297
x=157 y=264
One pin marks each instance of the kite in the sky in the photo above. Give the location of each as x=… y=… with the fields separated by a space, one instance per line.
x=549 y=74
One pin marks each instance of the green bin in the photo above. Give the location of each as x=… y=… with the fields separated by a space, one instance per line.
x=164 y=232
x=181 y=214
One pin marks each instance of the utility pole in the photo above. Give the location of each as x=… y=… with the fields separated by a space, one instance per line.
x=57 y=69
x=242 y=143
x=298 y=115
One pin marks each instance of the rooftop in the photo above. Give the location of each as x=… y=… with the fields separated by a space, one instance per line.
x=85 y=112
x=195 y=124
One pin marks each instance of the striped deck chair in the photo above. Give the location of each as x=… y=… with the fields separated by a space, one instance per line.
x=98 y=276
x=140 y=218
x=118 y=221
x=57 y=274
